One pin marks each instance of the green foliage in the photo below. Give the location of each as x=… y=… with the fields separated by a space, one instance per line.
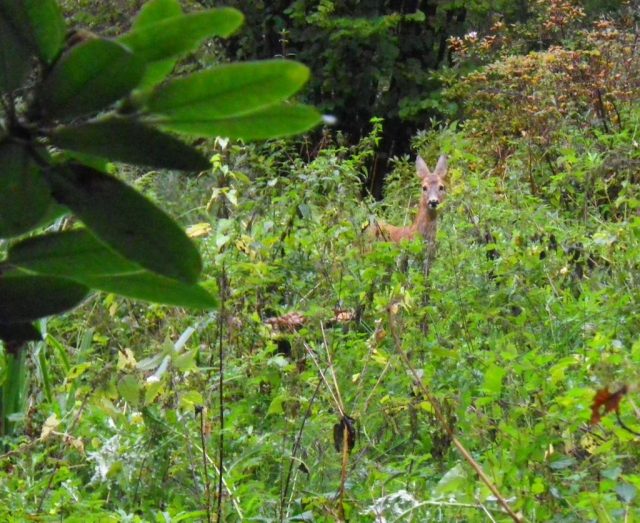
x=529 y=307
x=65 y=107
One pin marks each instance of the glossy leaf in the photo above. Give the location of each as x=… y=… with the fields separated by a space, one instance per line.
x=24 y=194
x=179 y=35
x=153 y=12
x=272 y=122
x=90 y=77
x=228 y=90
x=132 y=142
x=127 y=222
x=78 y=255
x=39 y=23
x=26 y=297
x=14 y=57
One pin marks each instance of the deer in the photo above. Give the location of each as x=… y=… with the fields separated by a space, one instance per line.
x=433 y=191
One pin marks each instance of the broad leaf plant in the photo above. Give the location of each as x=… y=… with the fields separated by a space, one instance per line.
x=71 y=103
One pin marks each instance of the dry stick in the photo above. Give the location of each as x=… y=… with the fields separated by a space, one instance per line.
x=207 y=483
x=343 y=472
x=444 y=423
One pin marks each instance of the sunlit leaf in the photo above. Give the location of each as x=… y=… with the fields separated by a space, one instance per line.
x=273 y=122
x=228 y=90
x=178 y=35
x=151 y=13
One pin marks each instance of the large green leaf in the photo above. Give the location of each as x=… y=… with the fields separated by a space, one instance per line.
x=39 y=23
x=24 y=194
x=151 y=13
x=228 y=90
x=126 y=221
x=182 y=34
x=69 y=254
x=26 y=297
x=14 y=57
x=151 y=287
x=89 y=77
x=129 y=141
x=273 y=122
x=78 y=255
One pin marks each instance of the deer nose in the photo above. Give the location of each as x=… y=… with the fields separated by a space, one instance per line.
x=433 y=204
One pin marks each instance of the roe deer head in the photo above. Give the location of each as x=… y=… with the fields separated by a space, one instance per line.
x=433 y=190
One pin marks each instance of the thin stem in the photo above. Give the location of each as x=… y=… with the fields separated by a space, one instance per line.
x=207 y=483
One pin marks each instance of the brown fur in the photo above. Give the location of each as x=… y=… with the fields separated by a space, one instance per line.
x=433 y=187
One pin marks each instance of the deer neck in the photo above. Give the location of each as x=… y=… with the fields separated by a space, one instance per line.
x=425 y=222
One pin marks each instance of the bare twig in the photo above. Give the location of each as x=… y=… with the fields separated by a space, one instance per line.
x=443 y=421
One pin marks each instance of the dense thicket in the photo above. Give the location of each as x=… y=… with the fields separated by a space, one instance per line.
x=529 y=309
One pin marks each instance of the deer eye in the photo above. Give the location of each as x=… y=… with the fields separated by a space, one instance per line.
x=441 y=187
x=425 y=188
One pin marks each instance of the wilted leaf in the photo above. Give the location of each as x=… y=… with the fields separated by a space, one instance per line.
x=605 y=402
x=50 y=426
x=199 y=230
x=347 y=424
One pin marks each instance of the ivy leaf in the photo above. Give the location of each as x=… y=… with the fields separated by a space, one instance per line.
x=228 y=90
x=273 y=122
x=39 y=23
x=26 y=297
x=79 y=256
x=179 y=35
x=89 y=77
x=127 y=222
x=25 y=196
x=132 y=142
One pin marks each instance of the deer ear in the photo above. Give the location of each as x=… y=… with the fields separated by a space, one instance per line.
x=441 y=167
x=421 y=167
